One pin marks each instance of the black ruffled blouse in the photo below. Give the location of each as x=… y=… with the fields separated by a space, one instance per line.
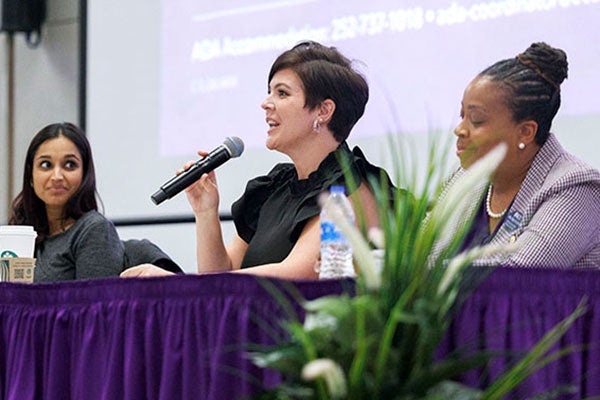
x=274 y=208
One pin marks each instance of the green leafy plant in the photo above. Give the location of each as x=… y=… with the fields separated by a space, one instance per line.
x=380 y=342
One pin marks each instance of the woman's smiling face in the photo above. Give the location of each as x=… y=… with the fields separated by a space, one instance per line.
x=289 y=120
x=485 y=122
x=57 y=172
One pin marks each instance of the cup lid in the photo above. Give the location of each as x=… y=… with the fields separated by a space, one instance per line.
x=17 y=230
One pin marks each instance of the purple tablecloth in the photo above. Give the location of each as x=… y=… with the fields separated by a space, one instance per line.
x=186 y=337
x=513 y=309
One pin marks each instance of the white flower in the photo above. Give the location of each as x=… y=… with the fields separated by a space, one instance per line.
x=319 y=320
x=458 y=262
x=377 y=237
x=331 y=372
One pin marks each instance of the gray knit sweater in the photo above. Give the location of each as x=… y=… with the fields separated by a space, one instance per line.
x=91 y=248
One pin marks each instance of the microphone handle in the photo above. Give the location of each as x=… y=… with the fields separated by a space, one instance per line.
x=179 y=182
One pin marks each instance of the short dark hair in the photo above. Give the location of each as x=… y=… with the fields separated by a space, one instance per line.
x=327 y=74
x=28 y=208
x=532 y=84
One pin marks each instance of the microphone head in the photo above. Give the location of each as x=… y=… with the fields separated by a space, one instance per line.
x=234 y=146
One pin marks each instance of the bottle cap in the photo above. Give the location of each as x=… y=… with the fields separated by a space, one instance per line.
x=337 y=189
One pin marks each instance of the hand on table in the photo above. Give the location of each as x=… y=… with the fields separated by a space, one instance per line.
x=144 y=270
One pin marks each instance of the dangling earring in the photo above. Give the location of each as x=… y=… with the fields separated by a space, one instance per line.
x=521 y=146
x=317 y=125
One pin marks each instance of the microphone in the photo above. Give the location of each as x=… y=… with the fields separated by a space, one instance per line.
x=231 y=147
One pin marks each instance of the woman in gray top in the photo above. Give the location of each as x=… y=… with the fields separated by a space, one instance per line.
x=74 y=241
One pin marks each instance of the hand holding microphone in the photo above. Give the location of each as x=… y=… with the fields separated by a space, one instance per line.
x=231 y=147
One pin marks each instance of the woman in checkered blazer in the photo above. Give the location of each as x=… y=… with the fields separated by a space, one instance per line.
x=540 y=197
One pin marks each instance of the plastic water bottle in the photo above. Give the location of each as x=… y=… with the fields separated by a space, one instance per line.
x=336 y=253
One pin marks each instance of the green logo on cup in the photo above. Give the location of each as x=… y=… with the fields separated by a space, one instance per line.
x=7 y=253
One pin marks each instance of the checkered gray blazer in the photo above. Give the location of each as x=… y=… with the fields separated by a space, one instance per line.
x=555 y=216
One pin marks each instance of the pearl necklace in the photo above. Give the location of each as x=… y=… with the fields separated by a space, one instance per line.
x=488 y=207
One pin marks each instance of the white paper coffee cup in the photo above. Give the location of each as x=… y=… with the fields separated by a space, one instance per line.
x=17 y=241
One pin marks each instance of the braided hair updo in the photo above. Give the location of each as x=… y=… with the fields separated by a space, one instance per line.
x=532 y=81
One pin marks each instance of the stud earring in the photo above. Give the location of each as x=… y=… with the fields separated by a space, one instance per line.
x=521 y=146
x=317 y=125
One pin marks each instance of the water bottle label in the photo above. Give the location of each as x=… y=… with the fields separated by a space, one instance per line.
x=329 y=232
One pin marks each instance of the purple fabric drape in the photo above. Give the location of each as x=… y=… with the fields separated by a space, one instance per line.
x=513 y=309
x=182 y=337
x=187 y=337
